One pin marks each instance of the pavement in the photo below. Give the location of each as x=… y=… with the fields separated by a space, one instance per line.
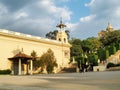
x=109 y=80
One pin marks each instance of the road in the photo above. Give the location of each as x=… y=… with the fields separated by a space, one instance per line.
x=68 y=81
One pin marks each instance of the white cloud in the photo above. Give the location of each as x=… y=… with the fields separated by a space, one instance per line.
x=87 y=18
x=21 y=15
x=89 y=4
x=71 y=26
x=35 y=17
x=117 y=12
x=53 y=10
x=3 y=10
x=38 y=17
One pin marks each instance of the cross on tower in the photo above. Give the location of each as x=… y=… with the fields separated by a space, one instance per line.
x=61 y=25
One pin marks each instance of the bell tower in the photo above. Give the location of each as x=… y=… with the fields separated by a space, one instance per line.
x=109 y=28
x=61 y=35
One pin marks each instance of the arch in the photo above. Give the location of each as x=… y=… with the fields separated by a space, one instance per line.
x=64 y=40
x=59 y=39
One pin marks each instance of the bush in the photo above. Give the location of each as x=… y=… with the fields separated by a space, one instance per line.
x=48 y=60
x=117 y=65
x=93 y=59
x=5 y=71
x=110 y=65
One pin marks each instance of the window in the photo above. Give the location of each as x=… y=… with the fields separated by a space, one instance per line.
x=64 y=40
x=66 y=54
x=59 y=39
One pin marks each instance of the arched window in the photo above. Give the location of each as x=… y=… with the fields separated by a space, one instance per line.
x=66 y=54
x=64 y=40
x=59 y=39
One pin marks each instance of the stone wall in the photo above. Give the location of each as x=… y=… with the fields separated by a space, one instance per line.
x=12 y=42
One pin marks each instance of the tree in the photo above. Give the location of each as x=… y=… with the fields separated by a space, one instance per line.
x=82 y=49
x=93 y=59
x=103 y=54
x=110 y=37
x=112 y=49
x=35 y=61
x=117 y=45
x=76 y=50
x=52 y=34
x=68 y=33
x=86 y=46
x=34 y=55
x=48 y=61
x=90 y=44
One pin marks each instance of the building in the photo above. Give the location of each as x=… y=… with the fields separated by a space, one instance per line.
x=108 y=29
x=15 y=46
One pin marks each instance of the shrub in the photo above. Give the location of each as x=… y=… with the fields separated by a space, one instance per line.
x=117 y=65
x=110 y=65
x=93 y=59
x=48 y=60
x=5 y=71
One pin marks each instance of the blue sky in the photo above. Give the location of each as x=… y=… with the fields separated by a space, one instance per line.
x=78 y=9
x=84 y=18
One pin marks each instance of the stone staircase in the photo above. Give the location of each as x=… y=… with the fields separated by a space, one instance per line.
x=114 y=58
x=72 y=68
x=68 y=70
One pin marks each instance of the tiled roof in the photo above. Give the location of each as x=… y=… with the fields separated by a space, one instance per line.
x=20 y=55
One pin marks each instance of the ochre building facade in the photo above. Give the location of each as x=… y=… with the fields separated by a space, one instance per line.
x=11 y=44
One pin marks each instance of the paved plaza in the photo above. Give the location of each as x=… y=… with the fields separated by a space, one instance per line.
x=68 y=81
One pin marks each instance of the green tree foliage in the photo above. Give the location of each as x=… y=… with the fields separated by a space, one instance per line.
x=82 y=49
x=52 y=34
x=103 y=54
x=111 y=43
x=35 y=61
x=110 y=37
x=34 y=55
x=86 y=46
x=107 y=54
x=100 y=54
x=112 y=49
x=117 y=45
x=76 y=50
x=48 y=60
x=90 y=44
x=68 y=33
x=93 y=59
x=82 y=60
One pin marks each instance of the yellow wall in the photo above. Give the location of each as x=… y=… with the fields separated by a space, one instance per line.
x=10 y=42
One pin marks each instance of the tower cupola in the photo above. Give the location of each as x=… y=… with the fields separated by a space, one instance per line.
x=61 y=25
x=61 y=35
x=109 y=28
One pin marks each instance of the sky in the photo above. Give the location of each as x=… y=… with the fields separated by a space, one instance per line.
x=84 y=18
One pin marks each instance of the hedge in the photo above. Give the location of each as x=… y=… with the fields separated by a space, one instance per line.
x=7 y=71
x=110 y=64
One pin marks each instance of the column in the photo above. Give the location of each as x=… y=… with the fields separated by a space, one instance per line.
x=31 y=67
x=19 y=72
x=44 y=70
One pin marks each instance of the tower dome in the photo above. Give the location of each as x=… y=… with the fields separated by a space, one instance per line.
x=61 y=35
x=109 y=28
x=61 y=25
